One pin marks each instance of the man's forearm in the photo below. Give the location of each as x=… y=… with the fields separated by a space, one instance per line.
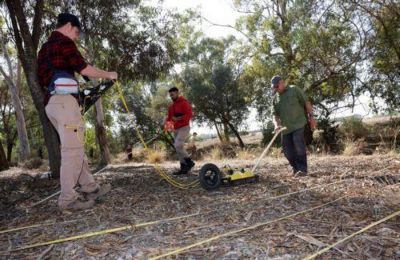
x=93 y=72
x=309 y=108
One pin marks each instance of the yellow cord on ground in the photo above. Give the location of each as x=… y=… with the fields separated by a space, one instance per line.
x=34 y=226
x=101 y=232
x=234 y=232
x=326 y=249
x=259 y=199
x=107 y=231
x=160 y=171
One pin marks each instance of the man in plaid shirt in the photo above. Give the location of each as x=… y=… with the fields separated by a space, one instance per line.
x=60 y=54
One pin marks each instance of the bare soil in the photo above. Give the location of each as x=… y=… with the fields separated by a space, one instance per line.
x=140 y=195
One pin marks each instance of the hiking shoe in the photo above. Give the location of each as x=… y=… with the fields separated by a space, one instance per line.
x=98 y=193
x=300 y=174
x=182 y=170
x=77 y=205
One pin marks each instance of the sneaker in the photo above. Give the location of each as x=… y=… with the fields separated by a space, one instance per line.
x=77 y=205
x=300 y=174
x=98 y=193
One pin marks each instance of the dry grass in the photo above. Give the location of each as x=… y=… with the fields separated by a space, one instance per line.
x=155 y=156
x=275 y=152
x=352 y=148
x=215 y=153
x=141 y=155
x=246 y=154
x=119 y=158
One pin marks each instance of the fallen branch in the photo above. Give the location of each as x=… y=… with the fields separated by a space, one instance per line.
x=45 y=252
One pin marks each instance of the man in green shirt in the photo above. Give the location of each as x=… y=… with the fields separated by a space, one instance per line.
x=291 y=109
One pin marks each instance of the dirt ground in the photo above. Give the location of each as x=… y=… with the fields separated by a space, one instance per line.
x=140 y=195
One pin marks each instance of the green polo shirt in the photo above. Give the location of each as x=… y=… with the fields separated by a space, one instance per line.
x=290 y=108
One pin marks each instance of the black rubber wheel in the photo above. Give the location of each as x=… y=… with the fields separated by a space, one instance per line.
x=210 y=176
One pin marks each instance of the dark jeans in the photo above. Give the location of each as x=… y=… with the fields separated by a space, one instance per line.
x=294 y=148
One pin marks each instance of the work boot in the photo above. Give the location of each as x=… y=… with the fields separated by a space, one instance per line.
x=300 y=174
x=182 y=170
x=98 y=193
x=189 y=164
x=77 y=205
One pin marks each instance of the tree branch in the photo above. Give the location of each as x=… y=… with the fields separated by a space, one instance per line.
x=17 y=14
x=228 y=26
x=37 y=23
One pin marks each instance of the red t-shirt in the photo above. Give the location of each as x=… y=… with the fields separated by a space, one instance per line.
x=180 y=107
x=63 y=55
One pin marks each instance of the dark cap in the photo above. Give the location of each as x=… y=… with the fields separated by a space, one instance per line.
x=275 y=81
x=65 y=18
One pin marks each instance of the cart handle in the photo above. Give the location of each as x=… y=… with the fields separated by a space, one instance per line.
x=267 y=148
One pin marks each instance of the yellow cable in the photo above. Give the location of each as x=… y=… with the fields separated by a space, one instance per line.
x=326 y=249
x=97 y=233
x=160 y=171
x=36 y=225
x=259 y=199
x=234 y=232
x=138 y=225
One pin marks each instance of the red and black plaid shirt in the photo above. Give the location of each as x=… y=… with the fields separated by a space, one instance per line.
x=63 y=54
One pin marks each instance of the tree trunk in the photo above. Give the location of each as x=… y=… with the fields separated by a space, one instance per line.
x=27 y=43
x=218 y=132
x=51 y=137
x=101 y=133
x=13 y=85
x=226 y=132
x=10 y=145
x=3 y=160
x=241 y=144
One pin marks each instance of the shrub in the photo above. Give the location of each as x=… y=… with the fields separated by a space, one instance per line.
x=327 y=137
x=353 y=128
x=33 y=163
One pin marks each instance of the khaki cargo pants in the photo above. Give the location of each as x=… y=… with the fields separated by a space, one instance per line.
x=181 y=134
x=64 y=113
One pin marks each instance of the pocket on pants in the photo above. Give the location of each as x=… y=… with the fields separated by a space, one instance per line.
x=72 y=135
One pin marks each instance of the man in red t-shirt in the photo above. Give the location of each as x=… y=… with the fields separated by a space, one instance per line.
x=60 y=56
x=180 y=113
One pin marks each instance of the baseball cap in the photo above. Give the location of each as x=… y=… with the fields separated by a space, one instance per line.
x=275 y=80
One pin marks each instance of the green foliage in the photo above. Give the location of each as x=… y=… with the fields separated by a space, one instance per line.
x=328 y=138
x=159 y=103
x=335 y=51
x=212 y=84
x=307 y=42
x=91 y=147
x=382 y=79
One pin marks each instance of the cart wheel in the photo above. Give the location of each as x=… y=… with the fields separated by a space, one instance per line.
x=210 y=176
